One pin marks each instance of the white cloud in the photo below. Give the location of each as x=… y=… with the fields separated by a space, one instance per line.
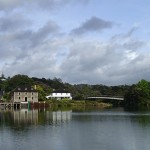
x=131 y=55
x=40 y=47
x=77 y=60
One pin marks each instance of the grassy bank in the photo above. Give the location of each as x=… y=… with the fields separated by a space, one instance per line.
x=78 y=104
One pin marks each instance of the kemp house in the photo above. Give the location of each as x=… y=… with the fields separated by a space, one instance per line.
x=24 y=94
x=59 y=95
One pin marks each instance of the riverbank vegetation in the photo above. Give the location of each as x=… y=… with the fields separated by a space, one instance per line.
x=78 y=104
x=135 y=96
x=138 y=95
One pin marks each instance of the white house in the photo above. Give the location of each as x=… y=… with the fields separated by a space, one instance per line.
x=59 y=94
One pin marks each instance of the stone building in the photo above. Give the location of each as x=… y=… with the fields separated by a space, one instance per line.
x=24 y=94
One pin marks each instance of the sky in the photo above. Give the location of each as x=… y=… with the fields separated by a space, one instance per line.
x=80 y=41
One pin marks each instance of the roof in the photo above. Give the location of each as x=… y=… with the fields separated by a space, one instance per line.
x=24 y=89
x=60 y=91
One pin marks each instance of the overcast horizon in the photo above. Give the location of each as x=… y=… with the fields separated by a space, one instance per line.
x=80 y=41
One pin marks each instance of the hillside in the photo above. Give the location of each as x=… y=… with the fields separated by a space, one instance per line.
x=46 y=86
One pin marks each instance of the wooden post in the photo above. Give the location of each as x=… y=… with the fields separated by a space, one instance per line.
x=28 y=105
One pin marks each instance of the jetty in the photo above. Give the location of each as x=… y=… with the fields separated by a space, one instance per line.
x=9 y=105
x=19 y=105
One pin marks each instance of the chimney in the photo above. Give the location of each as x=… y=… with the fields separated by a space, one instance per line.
x=35 y=86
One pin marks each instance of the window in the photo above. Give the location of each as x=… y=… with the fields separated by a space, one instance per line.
x=25 y=88
x=32 y=98
x=19 y=98
x=19 y=89
x=18 y=93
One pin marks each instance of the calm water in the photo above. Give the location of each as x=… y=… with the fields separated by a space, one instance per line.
x=112 y=129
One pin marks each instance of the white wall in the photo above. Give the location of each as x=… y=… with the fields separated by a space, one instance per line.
x=60 y=95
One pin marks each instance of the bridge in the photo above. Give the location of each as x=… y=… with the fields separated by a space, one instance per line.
x=107 y=97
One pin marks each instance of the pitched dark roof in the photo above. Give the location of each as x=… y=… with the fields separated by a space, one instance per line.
x=24 y=89
x=60 y=91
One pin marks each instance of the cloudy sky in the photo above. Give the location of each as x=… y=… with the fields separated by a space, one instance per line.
x=80 y=41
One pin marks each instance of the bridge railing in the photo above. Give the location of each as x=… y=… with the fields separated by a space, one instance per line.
x=106 y=97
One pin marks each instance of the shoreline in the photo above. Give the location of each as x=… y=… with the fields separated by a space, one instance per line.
x=73 y=104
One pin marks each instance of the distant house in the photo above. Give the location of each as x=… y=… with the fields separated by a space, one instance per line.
x=24 y=94
x=59 y=94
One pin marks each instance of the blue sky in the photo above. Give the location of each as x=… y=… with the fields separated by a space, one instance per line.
x=79 y=41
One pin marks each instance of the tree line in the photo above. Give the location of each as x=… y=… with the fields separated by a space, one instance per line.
x=135 y=96
x=138 y=95
x=46 y=86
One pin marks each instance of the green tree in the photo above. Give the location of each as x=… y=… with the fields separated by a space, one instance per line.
x=41 y=93
x=17 y=80
x=144 y=88
x=57 y=83
x=138 y=95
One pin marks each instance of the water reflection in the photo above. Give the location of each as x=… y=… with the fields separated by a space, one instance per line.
x=113 y=129
x=25 y=117
x=59 y=116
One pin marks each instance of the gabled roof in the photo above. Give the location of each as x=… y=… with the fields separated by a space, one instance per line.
x=24 y=89
x=60 y=91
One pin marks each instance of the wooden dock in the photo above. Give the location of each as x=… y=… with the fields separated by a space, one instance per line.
x=9 y=105
x=19 y=105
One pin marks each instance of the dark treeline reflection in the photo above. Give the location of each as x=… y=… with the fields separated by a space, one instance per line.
x=24 y=118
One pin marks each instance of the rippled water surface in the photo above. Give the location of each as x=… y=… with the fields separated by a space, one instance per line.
x=113 y=129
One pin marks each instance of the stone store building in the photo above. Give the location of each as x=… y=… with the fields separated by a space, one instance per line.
x=24 y=94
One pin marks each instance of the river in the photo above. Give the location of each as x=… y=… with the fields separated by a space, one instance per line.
x=111 y=129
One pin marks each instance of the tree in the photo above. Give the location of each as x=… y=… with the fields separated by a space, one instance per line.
x=41 y=93
x=57 y=83
x=144 y=88
x=138 y=95
x=17 y=80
